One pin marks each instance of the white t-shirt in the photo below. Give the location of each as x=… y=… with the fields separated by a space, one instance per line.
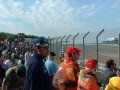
x=7 y=63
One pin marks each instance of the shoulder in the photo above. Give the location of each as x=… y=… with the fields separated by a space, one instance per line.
x=8 y=61
x=33 y=60
x=35 y=63
x=47 y=61
x=26 y=53
x=108 y=72
x=10 y=70
x=114 y=82
x=92 y=83
x=93 y=80
x=114 y=79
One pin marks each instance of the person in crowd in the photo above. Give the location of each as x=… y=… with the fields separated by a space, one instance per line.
x=114 y=82
x=15 y=60
x=2 y=70
x=5 y=46
x=27 y=57
x=109 y=72
x=62 y=58
x=17 y=52
x=7 y=57
x=87 y=77
x=66 y=76
x=37 y=75
x=14 y=78
x=21 y=61
x=50 y=65
x=1 y=49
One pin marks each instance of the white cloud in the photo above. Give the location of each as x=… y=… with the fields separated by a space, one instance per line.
x=11 y=8
x=116 y=4
x=118 y=20
x=47 y=17
x=8 y=26
x=11 y=27
x=50 y=14
x=87 y=10
x=56 y=15
x=3 y=11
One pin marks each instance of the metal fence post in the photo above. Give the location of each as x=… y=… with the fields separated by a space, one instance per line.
x=84 y=46
x=67 y=40
x=61 y=43
x=97 y=50
x=57 y=49
x=119 y=48
x=48 y=37
x=53 y=43
x=74 y=39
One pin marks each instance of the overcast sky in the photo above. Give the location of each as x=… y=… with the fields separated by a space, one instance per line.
x=58 y=17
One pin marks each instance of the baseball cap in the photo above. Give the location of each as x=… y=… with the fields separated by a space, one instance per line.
x=42 y=41
x=91 y=63
x=72 y=49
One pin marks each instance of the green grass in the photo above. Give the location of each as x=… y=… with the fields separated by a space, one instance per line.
x=57 y=61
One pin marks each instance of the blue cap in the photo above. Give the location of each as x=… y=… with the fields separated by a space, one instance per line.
x=42 y=41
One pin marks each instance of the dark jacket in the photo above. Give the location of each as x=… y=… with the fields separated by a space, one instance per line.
x=2 y=73
x=0 y=52
x=108 y=73
x=37 y=76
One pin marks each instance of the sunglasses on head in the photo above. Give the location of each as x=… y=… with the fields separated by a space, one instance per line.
x=43 y=46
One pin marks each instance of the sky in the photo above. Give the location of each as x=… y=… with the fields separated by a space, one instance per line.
x=58 y=17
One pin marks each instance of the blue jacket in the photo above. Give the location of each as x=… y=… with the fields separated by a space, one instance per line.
x=37 y=75
x=106 y=76
x=51 y=67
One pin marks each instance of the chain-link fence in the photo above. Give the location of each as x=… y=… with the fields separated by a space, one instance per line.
x=102 y=45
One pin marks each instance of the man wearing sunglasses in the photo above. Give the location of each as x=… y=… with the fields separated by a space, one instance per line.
x=37 y=76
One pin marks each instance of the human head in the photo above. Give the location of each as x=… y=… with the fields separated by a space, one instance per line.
x=29 y=49
x=21 y=70
x=91 y=65
x=52 y=55
x=73 y=53
x=111 y=64
x=62 y=55
x=42 y=46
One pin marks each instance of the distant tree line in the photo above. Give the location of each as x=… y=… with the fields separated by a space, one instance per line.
x=11 y=37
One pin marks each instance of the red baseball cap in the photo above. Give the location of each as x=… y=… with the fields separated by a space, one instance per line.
x=91 y=64
x=72 y=49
